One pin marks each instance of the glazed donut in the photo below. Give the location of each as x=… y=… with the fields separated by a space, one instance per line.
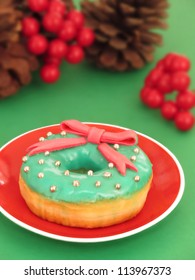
x=85 y=176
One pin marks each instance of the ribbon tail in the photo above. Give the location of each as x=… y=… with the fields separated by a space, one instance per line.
x=120 y=161
x=55 y=144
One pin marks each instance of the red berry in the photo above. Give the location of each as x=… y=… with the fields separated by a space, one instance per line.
x=185 y=100
x=164 y=84
x=68 y=31
x=169 y=110
x=144 y=93
x=160 y=65
x=52 y=22
x=49 y=73
x=30 y=26
x=37 y=44
x=38 y=5
x=75 y=54
x=57 y=6
x=152 y=98
x=52 y=60
x=168 y=60
x=153 y=78
x=184 y=120
x=57 y=48
x=180 y=63
x=180 y=81
x=86 y=37
x=77 y=17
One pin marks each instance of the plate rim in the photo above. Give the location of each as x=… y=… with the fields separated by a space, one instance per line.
x=112 y=237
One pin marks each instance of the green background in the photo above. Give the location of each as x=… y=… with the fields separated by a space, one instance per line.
x=89 y=94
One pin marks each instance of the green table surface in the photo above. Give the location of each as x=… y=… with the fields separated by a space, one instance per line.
x=89 y=94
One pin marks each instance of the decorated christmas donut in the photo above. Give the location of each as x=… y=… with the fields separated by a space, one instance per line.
x=86 y=176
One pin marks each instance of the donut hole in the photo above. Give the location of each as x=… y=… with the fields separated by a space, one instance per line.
x=81 y=159
x=84 y=163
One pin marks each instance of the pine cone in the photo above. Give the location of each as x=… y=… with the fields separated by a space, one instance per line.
x=16 y=64
x=123 y=29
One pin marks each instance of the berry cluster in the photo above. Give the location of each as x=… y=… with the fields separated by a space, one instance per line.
x=169 y=75
x=67 y=33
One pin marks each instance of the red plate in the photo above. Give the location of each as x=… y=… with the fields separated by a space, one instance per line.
x=166 y=191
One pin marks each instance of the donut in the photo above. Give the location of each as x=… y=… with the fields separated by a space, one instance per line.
x=85 y=176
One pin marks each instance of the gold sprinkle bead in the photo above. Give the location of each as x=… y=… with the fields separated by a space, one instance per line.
x=47 y=153
x=24 y=159
x=76 y=183
x=41 y=161
x=40 y=175
x=57 y=163
x=133 y=158
x=110 y=165
x=118 y=186
x=107 y=174
x=90 y=173
x=66 y=172
x=41 y=139
x=26 y=169
x=63 y=133
x=136 y=150
x=116 y=146
x=53 y=188
x=97 y=183
x=137 y=178
x=49 y=133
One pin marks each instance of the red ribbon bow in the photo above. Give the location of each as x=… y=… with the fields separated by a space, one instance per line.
x=93 y=135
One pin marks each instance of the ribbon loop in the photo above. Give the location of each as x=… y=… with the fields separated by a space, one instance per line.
x=76 y=127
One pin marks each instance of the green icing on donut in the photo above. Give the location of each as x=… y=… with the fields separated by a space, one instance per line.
x=45 y=173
